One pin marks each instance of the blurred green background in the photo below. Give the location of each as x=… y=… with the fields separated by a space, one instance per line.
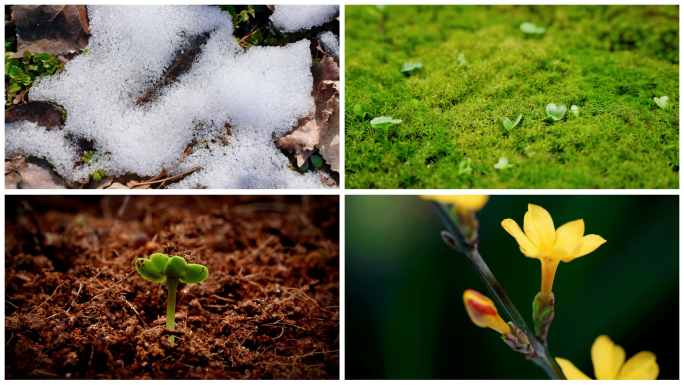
x=404 y=312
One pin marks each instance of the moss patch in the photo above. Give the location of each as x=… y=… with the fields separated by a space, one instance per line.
x=610 y=61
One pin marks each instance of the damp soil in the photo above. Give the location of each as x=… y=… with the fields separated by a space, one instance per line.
x=76 y=308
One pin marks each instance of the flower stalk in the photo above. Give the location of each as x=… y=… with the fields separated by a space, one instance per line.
x=454 y=239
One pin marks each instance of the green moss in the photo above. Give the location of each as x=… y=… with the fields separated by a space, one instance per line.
x=610 y=61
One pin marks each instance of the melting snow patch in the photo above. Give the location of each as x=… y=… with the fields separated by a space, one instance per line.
x=265 y=90
x=330 y=44
x=291 y=18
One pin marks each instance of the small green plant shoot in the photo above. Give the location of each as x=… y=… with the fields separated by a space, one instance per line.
x=661 y=102
x=509 y=125
x=503 y=164
x=554 y=112
x=384 y=123
x=464 y=167
x=20 y=73
x=531 y=28
x=317 y=161
x=575 y=110
x=361 y=110
x=160 y=268
x=410 y=68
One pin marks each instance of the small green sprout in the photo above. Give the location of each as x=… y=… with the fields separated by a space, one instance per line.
x=304 y=167
x=87 y=157
x=99 y=174
x=531 y=28
x=317 y=161
x=410 y=67
x=503 y=164
x=575 y=110
x=160 y=268
x=384 y=123
x=361 y=110
x=461 y=59
x=509 y=125
x=554 y=112
x=464 y=167
x=661 y=102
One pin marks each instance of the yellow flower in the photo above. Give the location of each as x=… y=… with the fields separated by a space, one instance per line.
x=609 y=363
x=483 y=313
x=549 y=245
x=463 y=203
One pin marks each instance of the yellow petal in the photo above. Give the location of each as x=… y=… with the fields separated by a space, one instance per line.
x=526 y=246
x=462 y=202
x=587 y=244
x=569 y=235
x=607 y=358
x=642 y=366
x=539 y=227
x=570 y=370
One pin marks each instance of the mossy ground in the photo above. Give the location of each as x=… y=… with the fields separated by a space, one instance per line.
x=610 y=61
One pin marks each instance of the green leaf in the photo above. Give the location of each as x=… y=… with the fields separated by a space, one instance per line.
x=361 y=110
x=411 y=67
x=15 y=71
x=159 y=261
x=554 y=112
x=26 y=57
x=41 y=56
x=304 y=167
x=384 y=122
x=575 y=110
x=175 y=267
x=14 y=88
x=317 y=161
x=531 y=28
x=661 y=102
x=464 y=167
x=509 y=125
x=96 y=176
x=146 y=270
x=503 y=164
x=195 y=274
x=461 y=59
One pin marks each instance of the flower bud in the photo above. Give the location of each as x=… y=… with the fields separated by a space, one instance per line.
x=483 y=313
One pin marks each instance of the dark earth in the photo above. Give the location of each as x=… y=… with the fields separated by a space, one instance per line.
x=76 y=308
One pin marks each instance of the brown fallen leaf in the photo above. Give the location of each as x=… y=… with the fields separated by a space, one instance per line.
x=117 y=185
x=321 y=129
x=55 y=29
x=39 y=174
x=42 y=113
x=103 y=183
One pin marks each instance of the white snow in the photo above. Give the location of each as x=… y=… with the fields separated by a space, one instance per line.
x=265 y=90
x=292 y=18
x=330 y=44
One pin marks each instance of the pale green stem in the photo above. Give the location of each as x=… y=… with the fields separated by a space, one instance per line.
x=172 y=285
x=544 y=360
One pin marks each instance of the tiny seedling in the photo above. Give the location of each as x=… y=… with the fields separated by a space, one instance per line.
x=317 y=161
x=410 y=68
x=509 y=125
x=160 y=268
x=361 y=110
x=304 y=167
x=461 y=59
x=503 y=164
x=531 y=28
x=464 y=167
x=99 y=174
x=384 y=123
x=575 y=110
x=554 y=112
x=661 y=102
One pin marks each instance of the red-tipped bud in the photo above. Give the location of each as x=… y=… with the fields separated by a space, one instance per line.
x=483 y=313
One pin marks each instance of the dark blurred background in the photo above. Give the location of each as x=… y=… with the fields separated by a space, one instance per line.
x=404 y=312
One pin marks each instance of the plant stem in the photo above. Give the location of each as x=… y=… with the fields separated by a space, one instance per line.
x=544 y=360
x=172 y=285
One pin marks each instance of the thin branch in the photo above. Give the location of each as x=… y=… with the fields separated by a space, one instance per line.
x=169 y=178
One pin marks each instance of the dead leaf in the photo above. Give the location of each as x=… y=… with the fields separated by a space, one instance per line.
x=103 y=183
x=42 y=113
x=117 y=185
x=55 y=29
x=39 y=174
x=271 y=7
x=322 y=129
